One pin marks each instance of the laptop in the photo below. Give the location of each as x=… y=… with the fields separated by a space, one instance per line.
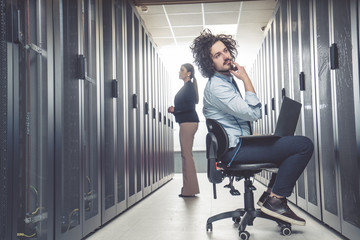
x=287 y=120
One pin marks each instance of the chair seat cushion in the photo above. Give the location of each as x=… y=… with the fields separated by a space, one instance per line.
x=247 y=166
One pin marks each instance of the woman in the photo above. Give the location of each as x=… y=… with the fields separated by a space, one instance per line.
x=186 y=116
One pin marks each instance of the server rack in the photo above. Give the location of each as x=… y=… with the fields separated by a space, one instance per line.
x=306 y=85
x=316 y=51
x=139 y=109
x=122 y=146
x=109 y=107
x=6 y=152
x=346 y=143
x=293 y=53
x=29 y=74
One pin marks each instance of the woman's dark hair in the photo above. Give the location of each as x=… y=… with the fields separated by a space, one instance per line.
x=190 y=68
x=201 y=50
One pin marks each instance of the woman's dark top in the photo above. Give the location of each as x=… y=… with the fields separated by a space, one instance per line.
x=184 y=109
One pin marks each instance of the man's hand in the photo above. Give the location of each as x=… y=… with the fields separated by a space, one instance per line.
x=241 y=74
x=171 y=109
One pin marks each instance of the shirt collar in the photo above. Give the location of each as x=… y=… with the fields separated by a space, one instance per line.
x=222 y=76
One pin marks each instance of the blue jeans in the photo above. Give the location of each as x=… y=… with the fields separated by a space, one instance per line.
x=291 y=154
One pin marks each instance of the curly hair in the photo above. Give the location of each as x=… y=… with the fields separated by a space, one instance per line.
x=201 y=50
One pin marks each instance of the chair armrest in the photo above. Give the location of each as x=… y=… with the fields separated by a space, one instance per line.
x=214 y=175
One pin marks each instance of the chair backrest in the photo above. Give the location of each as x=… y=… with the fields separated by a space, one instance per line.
x=217 y=144
x=221 y=136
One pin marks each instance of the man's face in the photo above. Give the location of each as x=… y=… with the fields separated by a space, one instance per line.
x=221 y=57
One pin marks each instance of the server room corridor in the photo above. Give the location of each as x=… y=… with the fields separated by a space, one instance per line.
x=89 y=150
x=165 y=216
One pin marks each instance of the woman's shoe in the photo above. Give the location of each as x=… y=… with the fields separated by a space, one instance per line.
x=180 y=195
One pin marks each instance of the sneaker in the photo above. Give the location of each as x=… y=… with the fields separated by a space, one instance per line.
x=262 y=198
x=278 y=208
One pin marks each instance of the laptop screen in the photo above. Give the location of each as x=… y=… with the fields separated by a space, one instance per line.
x=288 y=117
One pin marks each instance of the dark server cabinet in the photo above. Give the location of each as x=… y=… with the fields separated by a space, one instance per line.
x=155 y=117
x=284 y=34
x=67 y=136
x=278 y=60
x=122 y=143
x=30 y=73
x=347 y=137
x=350 y=187
x=293 y=92
x=90 y=118
x=305 y=84
x=161 y=123
x=316 y=50
x=272 y=90
x=139 y=109
x=82 y=123
x=113 y=113
x=326 y=116
x=109 y=111
x=78 y=190
x=146 y=115
x=132 y=106
x=156 y=120
x=6 y=118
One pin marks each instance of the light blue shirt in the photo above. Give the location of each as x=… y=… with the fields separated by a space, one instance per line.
x=223 y=102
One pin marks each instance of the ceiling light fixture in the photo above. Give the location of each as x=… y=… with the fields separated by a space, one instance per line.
x=144 y=9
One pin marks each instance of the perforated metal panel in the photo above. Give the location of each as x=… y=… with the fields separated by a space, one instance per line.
x=3 y=123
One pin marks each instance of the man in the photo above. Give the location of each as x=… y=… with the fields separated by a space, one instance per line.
x=214 y=56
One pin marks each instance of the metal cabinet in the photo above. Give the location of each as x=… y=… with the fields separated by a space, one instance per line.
x=316 y=50
x=81 y=136
x=28 y=82
x=77 y=144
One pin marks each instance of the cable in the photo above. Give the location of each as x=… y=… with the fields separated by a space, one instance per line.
x=24 y=235
x=76 y=209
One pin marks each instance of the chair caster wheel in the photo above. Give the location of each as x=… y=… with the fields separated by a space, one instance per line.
x=244 y=235
x=236 y=219
x=286 y=231
x=209 y=227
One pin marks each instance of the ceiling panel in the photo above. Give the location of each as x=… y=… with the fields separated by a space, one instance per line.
x=160 y=32
x=164 y=41
x=186 y=19
x=186 y=41
x=183 y=8
x=258 y=5
x=155 y=21
x=158 y=9
x=221 y=18
x=192 y=31
x=251 y=27
x=165 y=2
x=262 y=16
x=222 y=7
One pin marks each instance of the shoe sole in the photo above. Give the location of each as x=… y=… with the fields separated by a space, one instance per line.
x=281 y=217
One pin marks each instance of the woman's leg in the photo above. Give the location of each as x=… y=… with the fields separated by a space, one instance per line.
x=190 y=182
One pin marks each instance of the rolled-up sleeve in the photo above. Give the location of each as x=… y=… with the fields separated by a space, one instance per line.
x=229 y=101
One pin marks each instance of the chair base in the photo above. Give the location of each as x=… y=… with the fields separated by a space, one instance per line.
x=246 y=216
x=243 y=218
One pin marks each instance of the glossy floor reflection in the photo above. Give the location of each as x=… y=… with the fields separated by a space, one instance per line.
x=163 y=216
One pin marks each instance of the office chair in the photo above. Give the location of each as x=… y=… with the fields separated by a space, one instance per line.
x=217 y=144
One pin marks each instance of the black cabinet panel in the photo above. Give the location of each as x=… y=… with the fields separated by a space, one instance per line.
x=347 y=148
x=325 y=103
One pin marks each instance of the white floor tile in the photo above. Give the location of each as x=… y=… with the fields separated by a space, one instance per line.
x=163 y=216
